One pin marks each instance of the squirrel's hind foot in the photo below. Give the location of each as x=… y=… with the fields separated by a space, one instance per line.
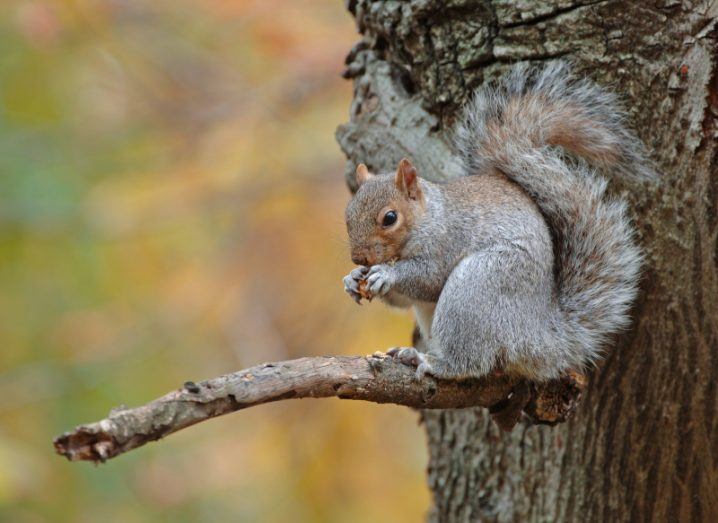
x=412 y=357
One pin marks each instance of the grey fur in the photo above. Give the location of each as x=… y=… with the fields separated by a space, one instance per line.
x=558 y=88
x=478 y=265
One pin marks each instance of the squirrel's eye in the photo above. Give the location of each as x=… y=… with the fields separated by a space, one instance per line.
x=389 y=219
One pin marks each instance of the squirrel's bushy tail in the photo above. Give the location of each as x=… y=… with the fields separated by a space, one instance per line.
x=548 y=132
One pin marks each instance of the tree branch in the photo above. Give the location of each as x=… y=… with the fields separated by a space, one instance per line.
x=376 y=378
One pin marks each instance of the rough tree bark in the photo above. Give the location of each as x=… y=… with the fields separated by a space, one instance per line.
x=644 y=445
x=376 y=378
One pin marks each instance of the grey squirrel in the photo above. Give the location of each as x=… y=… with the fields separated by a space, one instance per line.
x=523 y=265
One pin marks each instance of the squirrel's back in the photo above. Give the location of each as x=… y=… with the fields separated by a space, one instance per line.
x=548 y=131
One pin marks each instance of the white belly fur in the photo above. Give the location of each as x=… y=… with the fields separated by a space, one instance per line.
x=424 y=314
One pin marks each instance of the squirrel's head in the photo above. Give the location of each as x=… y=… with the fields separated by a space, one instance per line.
x=382 y=212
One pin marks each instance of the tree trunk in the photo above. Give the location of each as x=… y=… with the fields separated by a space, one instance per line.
x=644 y=444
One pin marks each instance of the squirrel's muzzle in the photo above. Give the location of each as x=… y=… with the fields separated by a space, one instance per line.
x=360 y=259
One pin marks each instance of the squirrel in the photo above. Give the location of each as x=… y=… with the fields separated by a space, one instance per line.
x=522 y=265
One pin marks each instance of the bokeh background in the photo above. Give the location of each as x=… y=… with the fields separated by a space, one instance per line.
x=171 y=208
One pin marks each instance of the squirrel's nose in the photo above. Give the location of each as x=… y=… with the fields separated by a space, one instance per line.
x=359 y=259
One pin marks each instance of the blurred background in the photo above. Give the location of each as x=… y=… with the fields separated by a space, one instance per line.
x=172 y=209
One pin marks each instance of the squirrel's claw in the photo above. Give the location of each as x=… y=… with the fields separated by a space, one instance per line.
x=380 y=279
x=352 y=289
x=351 y=283
x=359 y=273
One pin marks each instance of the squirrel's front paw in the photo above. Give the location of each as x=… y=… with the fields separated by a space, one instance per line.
x=380 y=279
x=351 y=282
x=412 y=357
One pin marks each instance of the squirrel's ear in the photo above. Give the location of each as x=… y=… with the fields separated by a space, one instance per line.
x=362 y=174
x=407 y=180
